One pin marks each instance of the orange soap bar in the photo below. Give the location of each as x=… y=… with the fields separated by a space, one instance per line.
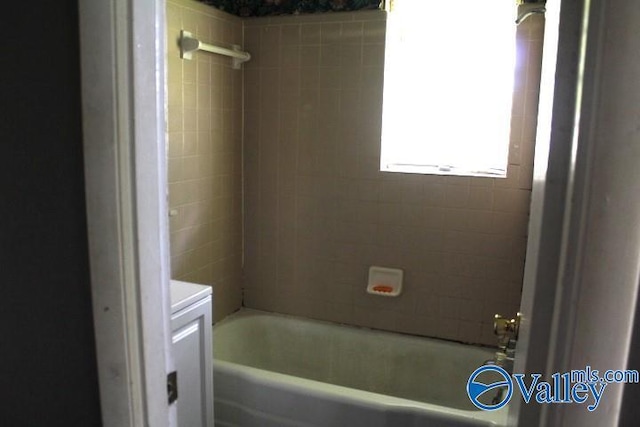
x=382 y=288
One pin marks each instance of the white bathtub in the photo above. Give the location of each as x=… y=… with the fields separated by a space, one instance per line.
x=280 y=371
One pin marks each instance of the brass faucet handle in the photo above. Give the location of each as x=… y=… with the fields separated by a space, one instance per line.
x=503 y=327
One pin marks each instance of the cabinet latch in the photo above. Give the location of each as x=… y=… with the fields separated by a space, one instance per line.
x=172 y=386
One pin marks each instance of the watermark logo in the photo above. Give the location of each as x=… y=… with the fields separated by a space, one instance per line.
x=477 y=388
x=492 y=383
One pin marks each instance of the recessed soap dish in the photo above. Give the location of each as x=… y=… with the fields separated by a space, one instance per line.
x=383 y=281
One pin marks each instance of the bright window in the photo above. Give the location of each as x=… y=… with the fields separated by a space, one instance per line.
x=448 y=87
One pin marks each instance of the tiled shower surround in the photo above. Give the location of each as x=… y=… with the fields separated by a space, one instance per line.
x=205 y=155
x=318 y=211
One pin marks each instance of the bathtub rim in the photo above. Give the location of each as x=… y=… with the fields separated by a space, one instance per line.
x=356 y=396
x=246 y=311
x=353 y=395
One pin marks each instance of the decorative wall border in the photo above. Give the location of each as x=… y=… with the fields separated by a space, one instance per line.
x=247 y=8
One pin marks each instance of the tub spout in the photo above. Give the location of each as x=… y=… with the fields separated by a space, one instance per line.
x=502 y=360
x=507 y=332
x=504 y=357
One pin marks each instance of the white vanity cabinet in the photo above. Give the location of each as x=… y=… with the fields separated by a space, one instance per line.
x=192 y=351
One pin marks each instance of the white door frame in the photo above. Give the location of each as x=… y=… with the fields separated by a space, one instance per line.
x=583 y=264
x=123 y=105
x=599 y=279
x=551 y=180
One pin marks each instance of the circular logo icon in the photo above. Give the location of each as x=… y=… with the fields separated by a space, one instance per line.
x=476 y=388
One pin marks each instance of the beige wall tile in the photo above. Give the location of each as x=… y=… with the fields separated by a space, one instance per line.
x=317 y=209
x=310 y=34
x=352 y=33
x=202 y=185
x=374 y=31
x=330 y=33
x=455 y=237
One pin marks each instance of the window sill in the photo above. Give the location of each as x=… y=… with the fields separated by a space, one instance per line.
x=443 y=170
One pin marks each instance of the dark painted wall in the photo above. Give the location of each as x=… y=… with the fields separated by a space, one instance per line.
x=47 y=358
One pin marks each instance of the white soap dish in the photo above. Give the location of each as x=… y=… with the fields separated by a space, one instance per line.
x=383 y=281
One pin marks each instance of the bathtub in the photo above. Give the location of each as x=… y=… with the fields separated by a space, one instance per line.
x=274 y=370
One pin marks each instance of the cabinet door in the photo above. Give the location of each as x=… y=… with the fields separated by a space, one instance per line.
x=192 y=353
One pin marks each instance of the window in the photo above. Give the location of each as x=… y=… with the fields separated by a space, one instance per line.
x=448 y=87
